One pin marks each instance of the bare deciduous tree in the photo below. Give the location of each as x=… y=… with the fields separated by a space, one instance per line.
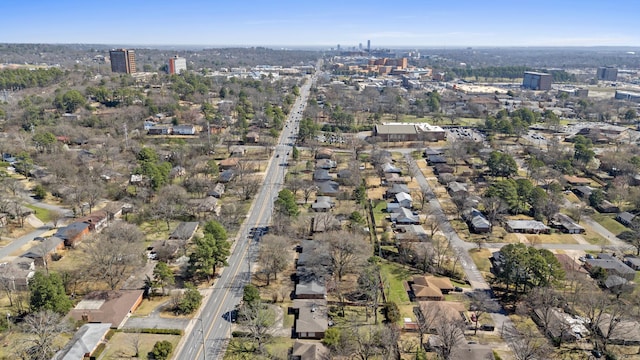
x=481 y=303
x=115 y=252
x=271 y=255
x=44 y=326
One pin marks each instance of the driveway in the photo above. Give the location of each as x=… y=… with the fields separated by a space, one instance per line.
x=154 y=321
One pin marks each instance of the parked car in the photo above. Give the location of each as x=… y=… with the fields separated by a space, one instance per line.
x=487 y=327
x=457 y=289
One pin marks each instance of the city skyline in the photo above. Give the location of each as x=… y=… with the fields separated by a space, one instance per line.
x=288 y=23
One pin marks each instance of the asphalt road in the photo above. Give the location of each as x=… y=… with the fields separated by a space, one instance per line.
x=476 y=280
x=213 y=327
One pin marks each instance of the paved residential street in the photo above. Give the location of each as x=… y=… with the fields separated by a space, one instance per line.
x=502 y=322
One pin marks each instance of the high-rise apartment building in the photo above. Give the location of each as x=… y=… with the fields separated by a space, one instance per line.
x=536 y=81
x=123 y=61
x=177 y=65
x=607 y=73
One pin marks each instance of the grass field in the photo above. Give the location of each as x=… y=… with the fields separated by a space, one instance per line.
x=43 y=214
x=395 y=275
x=481 y=259
x=121 y=345
x=609 y=223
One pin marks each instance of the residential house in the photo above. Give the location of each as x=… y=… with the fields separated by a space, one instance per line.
x=322 y=204
x=160 y=130
x=107 y=307
x=253 y=137
x=226 y=176
x=457 y=189
x=309 y=351
x=321 y=175
x=632 y=262
x=404 y=216
x=84 y=343
x=344 y=174
x=612 y=266
x=327 y=164
x=405 y=233
x=395 y=189
x=429 y=288
x=393 y=178
x=476 y=221
x=388 y=168
x=42 y=253
x=228 y=163
x=164 y=249
x=184 y=130
x=566 y=224
x=436 y=159
x=626 y=331
x=404 y=199
x=15 y=275
x=431 y=151
x=185 y=231
x=310 y=290
x=431 y=311
x=73 y=233
x=324 y=153
x=311 y=318
x=440 y=169
x=527 y=227
x=625 y=218
x=328 y=188
x=583 y=191
x=97 y=220
x=561 y=325
x=570 y=266
x=606 y=207
x=208 y=204
x=217 y=191
x=238 y=151
x=463 y=350
x=577 y=181
x=135 y=179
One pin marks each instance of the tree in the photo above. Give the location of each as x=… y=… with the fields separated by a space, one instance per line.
x=43 y=326
x=392 y=312
x=481 y=303
x=528 y=345
x=250 y=295
x=260 y=322
x=114 y=252
x=189 y=301
x=596 y=198
x=70 y=101
x=163 y=275
x=370 y=287
x=286 y=203
x=346 y=250
x=209 y=252
x=450 y=333
x=582 y=149
x=47 y=293
x=162 y=349
x=501 y=164
x=271 y=255
x=44 y=141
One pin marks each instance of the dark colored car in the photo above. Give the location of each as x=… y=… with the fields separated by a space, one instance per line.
x=457 y=289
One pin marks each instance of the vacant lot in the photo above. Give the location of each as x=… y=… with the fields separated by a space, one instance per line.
x=121 y=345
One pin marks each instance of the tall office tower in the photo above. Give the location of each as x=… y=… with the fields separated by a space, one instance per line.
x=123 y=61
x=177 y=65
x=536 y=81
x=360 y=46
x=368 y=46
x=338 y=47
x=607 y=73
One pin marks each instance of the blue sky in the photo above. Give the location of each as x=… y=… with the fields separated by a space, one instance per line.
x=443 y=23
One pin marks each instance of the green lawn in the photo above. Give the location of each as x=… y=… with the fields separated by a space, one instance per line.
x=378 y=212
x=43 y=214
x=609 y=222
x=395 y=275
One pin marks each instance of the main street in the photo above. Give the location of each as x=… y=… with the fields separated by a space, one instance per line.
x=211 y=329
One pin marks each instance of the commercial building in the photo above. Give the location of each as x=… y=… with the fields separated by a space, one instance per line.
x=177 y=65
x=536 y=81
x=627 y=95
x=607 y=73
x=123 y=61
